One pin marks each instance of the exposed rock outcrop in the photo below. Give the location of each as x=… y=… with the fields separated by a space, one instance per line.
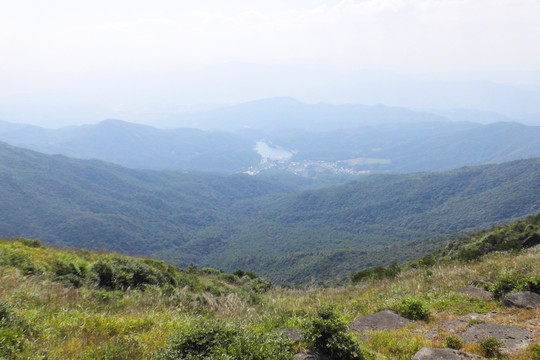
x=524 y=299
x=383 y=320
x=443 y=354
x=514 y=338
x=476 y=292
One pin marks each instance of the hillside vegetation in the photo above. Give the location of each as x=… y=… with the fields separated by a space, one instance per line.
x=60 y=304
x=324 y=233
x=257 y=224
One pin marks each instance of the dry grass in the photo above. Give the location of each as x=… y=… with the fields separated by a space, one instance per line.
x=89 y=323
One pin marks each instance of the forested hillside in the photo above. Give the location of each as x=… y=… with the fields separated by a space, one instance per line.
x=318 y=234
x=239 y=221
x=139 y=146
x=322 y=148
x=96 y=205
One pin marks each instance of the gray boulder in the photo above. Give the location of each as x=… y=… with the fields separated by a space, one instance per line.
x=383 y=320
x=476 y=292
x=532 y=240
x=524 y=299
x=514 y=338
x=443 y=354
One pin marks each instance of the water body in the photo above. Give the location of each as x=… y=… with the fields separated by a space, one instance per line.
x=269 y=153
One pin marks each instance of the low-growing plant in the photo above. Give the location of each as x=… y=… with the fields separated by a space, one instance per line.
x=13 y=331
x=242 y=273
x=491 y=346
x=474 y=321
x=534 y=351
x=215 y=340
x=325 y=332
x=377 y=273
x=454 y=342
x=513 y=282
x=413 y=309
x=30 y=242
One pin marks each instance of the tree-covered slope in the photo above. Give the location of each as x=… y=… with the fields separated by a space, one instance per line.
x=139 y=146
x=96 y=205
x=239 y=221
x=296 y=232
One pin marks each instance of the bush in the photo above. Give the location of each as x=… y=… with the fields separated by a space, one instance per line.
x=119 y=273
x=454 y=342
x=518 y=282
x=214 y=340
x=535 y=352
x=413 y=309
x=242 y=273
x=30 y=243
x=491 y=346
x=12 y=332
x=325 y=333
x=503 y=286
x=69 y=272
x=469 y=254
x=377 y=273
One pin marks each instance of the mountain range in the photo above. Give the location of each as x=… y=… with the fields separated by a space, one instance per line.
x=327 y=144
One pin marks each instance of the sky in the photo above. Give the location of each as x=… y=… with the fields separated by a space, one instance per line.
x=125 y=51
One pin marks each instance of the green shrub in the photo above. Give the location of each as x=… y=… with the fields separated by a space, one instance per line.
x=118 y=273
x=413 y=309
x=12 y=332
x=491 y=346
x=242 y=273
x=68 y=272
x=215 y=340
x=377 y=273
x=503 y=286
x=513 y=282
x=454 y=342
x=469 y=254
x=325 y=332
x=21 y=262
x=535 y=352
x=30 y=242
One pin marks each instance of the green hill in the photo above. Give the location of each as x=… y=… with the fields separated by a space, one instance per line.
x=96 y=205
x=252 y=223
x=324 y=233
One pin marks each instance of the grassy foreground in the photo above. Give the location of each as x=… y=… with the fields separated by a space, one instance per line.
x=60 y=304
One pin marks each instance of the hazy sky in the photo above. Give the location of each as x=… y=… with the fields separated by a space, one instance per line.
x=52 y=46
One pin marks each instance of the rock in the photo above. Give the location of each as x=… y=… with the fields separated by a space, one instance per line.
x=532 y=240
x=443 y=354
x=514 y=338
x=447 y=326
x=476 y=292
x=383 y=320
x=477 y=316
x=292 y=333
x=311 y=355
x=524 y=299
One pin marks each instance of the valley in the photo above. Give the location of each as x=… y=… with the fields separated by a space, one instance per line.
x=269 y=225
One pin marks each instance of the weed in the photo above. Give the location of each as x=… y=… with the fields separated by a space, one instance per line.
x=413 y=309
x=454 y=342
x=491 y=346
